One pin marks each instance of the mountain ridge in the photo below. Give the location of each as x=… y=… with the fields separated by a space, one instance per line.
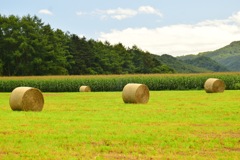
x=227 y=57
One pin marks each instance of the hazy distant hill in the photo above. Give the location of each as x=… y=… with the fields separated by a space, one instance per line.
x=180 y=66
x=207 y=63
x=228 y=57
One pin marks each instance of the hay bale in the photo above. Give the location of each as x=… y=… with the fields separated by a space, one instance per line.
x=214 y=85
x=85 y=89
x=26 y=99
x=135 y=93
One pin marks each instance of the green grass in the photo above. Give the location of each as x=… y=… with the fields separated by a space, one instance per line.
x=98 y=125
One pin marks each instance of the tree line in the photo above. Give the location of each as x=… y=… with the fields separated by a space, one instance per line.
x=30 y=47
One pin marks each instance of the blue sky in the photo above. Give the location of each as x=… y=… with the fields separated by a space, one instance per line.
x=174 y=27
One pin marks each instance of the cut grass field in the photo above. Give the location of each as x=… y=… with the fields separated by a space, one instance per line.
x=98 y=125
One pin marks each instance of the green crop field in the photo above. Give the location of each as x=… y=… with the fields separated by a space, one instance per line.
x=98 y=125
x=117 y=82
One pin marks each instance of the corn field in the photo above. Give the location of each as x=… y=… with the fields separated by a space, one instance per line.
x=117 y=82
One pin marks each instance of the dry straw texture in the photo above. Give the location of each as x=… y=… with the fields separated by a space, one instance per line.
x=26 y=99
x=85 y=89
x=135 y=93
x=214 y=85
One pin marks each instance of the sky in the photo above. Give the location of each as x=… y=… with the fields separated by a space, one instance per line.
x=174 y=27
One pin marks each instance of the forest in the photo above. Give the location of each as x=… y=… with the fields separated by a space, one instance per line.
x=30 y=47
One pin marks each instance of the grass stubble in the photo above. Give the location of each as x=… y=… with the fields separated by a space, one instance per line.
x=98 y=125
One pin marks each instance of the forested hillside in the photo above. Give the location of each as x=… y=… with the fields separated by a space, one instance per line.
x=180 y=66
x=228 y=57
x=30 y=47
x=206 y=62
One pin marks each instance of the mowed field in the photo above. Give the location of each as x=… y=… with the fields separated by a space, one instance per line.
x=98 y=125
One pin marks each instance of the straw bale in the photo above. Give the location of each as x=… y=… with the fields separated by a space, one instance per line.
x=214 y=85
x=26 y=99
x=135 y=93
x=84 y=89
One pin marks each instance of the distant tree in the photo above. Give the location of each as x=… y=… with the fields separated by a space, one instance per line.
x=127 y=64
x=9 y=43
x=144 y=62
x=28 y=47
x=83 y=56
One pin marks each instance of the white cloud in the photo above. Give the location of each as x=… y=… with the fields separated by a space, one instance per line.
x=123 y=13
x=180 y=39
x=45 y=11
x=236 y=18
x=149 y=10
x=118 y=13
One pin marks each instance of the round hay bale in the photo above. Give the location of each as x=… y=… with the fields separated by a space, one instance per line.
x=135 y=93
x=26 y=99
x=85 y=89
x=214 y=85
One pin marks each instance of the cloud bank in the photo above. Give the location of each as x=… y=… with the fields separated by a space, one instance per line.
x=176 y=40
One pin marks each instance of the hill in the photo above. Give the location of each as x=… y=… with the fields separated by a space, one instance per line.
x=180 y=66
x=227 y=57
x=207 y=63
